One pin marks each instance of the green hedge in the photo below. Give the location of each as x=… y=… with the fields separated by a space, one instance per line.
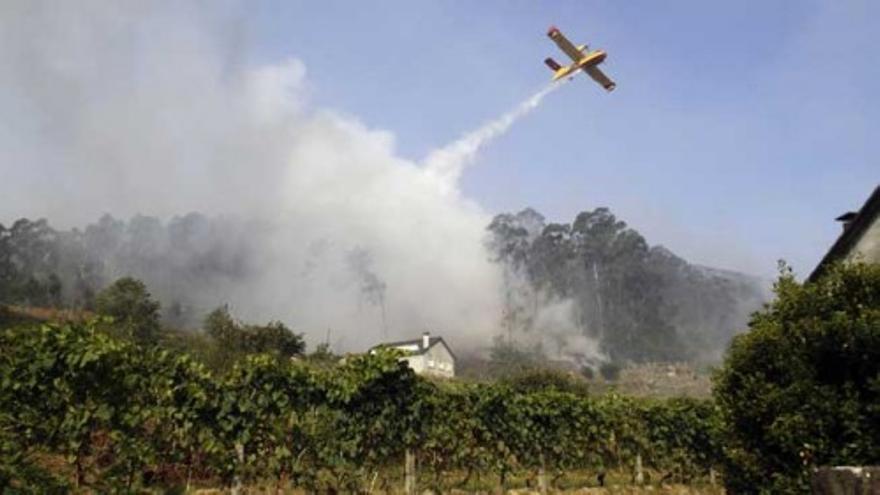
x=121 y=417
x=801 y=389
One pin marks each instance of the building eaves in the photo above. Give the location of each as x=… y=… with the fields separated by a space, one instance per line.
x=418 y=343
x=854 y=229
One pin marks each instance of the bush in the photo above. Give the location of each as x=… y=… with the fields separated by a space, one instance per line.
x=234 y=340
x=802 y=387
x=135 y=314
x=82 y=394
x=128 y=418
x=539 y=380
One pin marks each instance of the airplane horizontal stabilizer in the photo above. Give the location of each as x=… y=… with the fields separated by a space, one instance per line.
x=554 y=66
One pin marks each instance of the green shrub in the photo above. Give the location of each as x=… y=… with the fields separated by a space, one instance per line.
x=131 y=418
x=543 y=379
x=233 y=340
x=802 y=387
x=135 y=314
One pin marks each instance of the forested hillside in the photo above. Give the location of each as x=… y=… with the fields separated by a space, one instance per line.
x=585 y=292
x=598 y=279
x=187 y=262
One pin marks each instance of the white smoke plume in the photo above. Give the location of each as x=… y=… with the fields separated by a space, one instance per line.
x=127 y=108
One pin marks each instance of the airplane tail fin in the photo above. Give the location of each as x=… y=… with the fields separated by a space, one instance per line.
x=554 y=66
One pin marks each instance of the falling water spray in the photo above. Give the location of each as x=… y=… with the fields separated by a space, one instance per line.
x=449 y=162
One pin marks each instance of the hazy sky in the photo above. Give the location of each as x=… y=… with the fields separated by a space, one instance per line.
x=737 y=132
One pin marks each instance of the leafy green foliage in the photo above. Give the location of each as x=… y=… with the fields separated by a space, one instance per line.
x=323 y=355
x=233 y=339
x=124 y=417
x=682 y=433
x=542 y=379
x=80 y=393
x=642 y=303
x=29 y=259
x=802 y=387
x=41 y=266
x=135 y=314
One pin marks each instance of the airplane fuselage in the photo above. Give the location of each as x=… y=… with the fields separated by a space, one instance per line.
x=582 y=59
x=592 y=58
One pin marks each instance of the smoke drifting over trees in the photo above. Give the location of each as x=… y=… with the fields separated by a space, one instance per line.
x=112 y=115
x=594 y=288
x=587 y=291
x=307 y=216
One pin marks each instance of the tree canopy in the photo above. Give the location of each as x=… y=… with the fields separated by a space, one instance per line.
x=640 y=302
x=233 y=338
x=133 y=310
x=802 y=387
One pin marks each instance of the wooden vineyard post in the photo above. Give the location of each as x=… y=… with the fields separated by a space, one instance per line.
x=640 y=475
x=409 y=483
x=542 y=477
x=239 y=456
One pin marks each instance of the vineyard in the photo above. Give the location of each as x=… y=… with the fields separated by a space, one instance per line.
x=81 y=409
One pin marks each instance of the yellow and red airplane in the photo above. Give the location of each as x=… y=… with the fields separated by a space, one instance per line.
x=585 y=60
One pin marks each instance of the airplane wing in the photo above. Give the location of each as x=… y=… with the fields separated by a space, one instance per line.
x=600 y=77
x=565 y=45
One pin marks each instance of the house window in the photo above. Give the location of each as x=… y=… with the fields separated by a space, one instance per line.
x=430 y=363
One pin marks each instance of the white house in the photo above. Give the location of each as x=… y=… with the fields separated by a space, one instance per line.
x=427 y=355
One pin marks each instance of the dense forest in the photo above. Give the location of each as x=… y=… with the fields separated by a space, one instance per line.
x=638 y=302
x=185 y=262
x=584 y=292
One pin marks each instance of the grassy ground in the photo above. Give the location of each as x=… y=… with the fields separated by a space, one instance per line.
x=616 y=483
x=26 y=315
x=628 y=490
x=658 y=380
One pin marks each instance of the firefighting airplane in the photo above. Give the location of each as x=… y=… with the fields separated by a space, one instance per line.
x=582 y=57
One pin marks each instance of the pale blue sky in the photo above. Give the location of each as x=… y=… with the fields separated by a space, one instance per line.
x=738 y=130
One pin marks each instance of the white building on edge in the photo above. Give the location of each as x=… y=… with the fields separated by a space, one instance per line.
x=427 y=355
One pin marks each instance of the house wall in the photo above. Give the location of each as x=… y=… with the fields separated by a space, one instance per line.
x=867 y=248
x=416 y=363
x=436 y=362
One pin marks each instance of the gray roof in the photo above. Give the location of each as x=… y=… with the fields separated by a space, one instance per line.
x=432 y=341
x=854 y=229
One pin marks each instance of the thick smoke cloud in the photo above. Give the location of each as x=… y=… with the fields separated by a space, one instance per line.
x=148 y=108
